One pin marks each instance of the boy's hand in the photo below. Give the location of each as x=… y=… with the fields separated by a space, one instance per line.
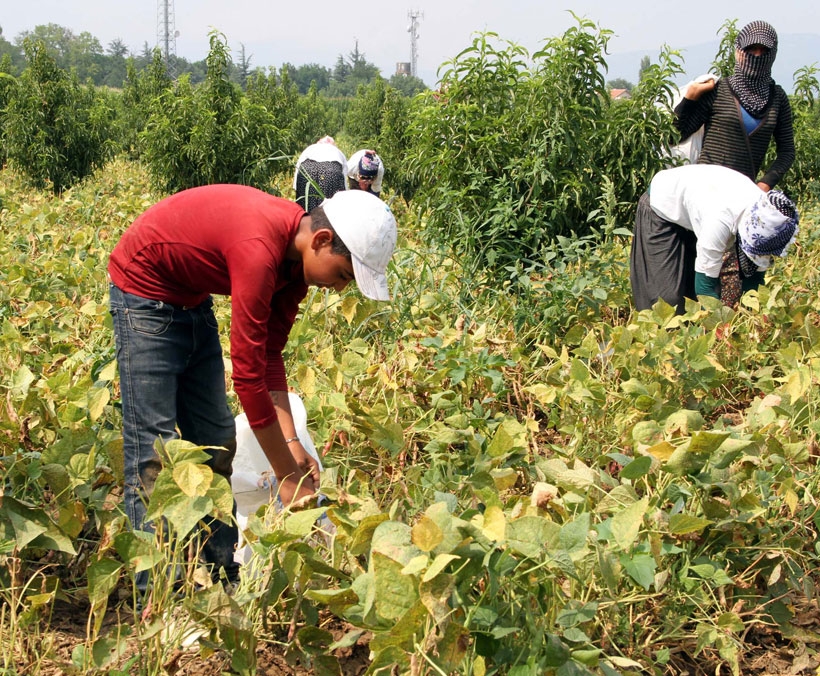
x=295 y=490
x=305 y=461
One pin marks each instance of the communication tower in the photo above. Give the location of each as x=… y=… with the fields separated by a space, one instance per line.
x=413 y=28
x=166 y=31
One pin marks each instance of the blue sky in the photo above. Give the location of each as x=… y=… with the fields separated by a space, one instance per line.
x=319 y=30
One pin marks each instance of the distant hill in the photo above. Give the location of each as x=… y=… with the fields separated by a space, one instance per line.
x=794 y=51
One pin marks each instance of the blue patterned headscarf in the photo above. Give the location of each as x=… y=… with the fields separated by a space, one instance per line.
x=769 y=228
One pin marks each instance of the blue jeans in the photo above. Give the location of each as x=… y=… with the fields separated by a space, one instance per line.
x=172 y=382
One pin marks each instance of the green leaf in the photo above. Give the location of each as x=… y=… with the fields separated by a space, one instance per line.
x=575 y=613
x=556 y=652
x=107 y=649
x=313 y=640
x=502 y=443
x=21 y=381
x=350 y=639
x=527 y=535
x=100 y=396
x=102 y=579
x=438 y=565
x=394 y=541
x=637 y=468
x=641 y=568
x=222 y=496
x=578 y=371
x=362 y=537
x=301 y=523
x=389 y=436
x=417 y=565
x=574 y=536
x=138 y=549
x=706 y=443
x=33 y=527
x=682 y=524
x=618 y=498
x=193 y=479
x=587 y=657
x=426 y=534
x=732 y=622
x=183 y=513
x=683 y=461
x=683 y=422
x=395 y=593
x=627 y=523
x=338 y=598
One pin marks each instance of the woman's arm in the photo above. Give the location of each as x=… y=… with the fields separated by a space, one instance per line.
x=784 y=142
x=695 y=108
x=707 y=286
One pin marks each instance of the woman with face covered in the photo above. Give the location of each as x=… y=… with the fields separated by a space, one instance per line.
x=741 y=114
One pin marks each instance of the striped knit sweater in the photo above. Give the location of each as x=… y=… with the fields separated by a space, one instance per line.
x=725 y=141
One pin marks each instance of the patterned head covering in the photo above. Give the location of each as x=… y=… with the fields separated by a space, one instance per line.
x=369 y=165
x=768 y=230
x=752 y=79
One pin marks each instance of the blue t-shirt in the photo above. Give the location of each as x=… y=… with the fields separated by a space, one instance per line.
x=749 y=122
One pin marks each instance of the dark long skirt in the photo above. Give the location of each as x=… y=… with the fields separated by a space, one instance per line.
x=662 y=262
x=317 y=181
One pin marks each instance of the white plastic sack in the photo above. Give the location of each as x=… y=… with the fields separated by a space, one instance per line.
x=250 y=458
x=253 y=481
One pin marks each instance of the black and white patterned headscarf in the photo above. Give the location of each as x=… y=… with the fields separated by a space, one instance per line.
x=752 y=79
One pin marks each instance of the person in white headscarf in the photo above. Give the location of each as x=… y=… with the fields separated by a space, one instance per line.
x=689 y=218
x=320 y=173
x=365 y=171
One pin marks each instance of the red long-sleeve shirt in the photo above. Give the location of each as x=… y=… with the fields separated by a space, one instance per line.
x=228 y=240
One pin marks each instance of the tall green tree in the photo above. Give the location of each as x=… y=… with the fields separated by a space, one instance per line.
x=407 y=84
x=645 y=64
x=306 y=75
x=16 y=59
x=350 y=73
x=516 y=150
x=211 y=133
x=620 y=83
x=57 y=131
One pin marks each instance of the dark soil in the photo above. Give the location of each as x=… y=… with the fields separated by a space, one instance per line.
x=766 y=651
x=68 y=629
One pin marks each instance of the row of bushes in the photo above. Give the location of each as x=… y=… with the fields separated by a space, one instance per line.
x=512 y=151
x=56 y=130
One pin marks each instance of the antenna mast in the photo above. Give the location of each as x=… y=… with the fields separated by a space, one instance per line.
x=413 y=29
x=166 y=31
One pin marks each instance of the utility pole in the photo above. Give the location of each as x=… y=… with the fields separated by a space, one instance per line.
x=414 y=15
x=166 y=32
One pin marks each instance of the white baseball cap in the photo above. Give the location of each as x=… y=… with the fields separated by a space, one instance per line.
x=368 y=229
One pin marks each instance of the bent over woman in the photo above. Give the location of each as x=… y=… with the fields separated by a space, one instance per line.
x=689 y=218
